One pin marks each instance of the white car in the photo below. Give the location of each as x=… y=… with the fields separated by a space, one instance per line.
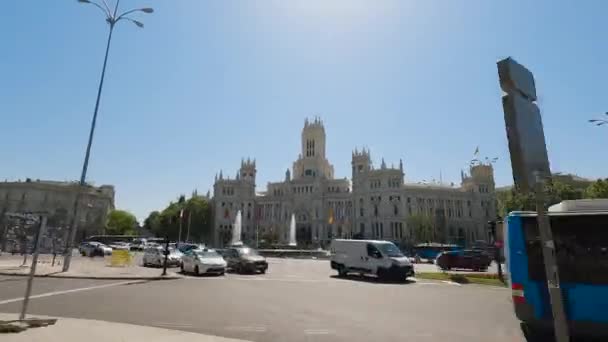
x=92 y=249
x=203 y=261
x=155 y=256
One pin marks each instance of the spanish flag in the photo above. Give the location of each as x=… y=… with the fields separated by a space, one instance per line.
x=331 y=215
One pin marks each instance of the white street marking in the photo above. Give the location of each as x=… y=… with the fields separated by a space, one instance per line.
x=55 y=293
x=173 y=325
x=317 y=332
x=451 y=282
x=247 y=328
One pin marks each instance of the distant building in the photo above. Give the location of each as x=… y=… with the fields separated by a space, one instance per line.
x=378 y=204
x=57 y=199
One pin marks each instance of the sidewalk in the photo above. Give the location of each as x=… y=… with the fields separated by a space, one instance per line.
x=83 y=267
x=78 y=330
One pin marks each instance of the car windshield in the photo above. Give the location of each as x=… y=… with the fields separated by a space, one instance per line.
x=389 y=250
x=247 y=252
x=207 y=254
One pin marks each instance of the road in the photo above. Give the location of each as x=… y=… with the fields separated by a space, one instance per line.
x=297 y=300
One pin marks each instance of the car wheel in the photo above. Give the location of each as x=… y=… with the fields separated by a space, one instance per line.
x=196 y=271
x=342 y=272
x=263 y=270
x=381 y=274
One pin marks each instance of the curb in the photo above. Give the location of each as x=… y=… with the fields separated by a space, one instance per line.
x=57 y=276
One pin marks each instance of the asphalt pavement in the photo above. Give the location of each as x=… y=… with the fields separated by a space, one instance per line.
x=297 y=300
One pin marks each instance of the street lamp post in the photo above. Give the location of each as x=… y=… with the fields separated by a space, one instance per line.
x=600 y=122
x=112 y=17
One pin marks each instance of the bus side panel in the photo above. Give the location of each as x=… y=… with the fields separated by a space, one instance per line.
x=585 y=302
x=535 y=294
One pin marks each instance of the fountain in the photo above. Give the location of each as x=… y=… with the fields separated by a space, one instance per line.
x=236 y=230
x=292 y=231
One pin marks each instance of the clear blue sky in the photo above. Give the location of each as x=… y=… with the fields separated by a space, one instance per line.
x=208 y=82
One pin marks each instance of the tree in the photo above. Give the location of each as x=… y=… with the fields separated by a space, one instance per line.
x=121 y=222
x=194 y=211
x=421 y=227
x=152 y=222
x=598 y=189
x=555 y=192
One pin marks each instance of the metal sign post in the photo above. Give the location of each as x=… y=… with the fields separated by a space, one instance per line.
x=548 y=245
x=530 y=164
x=30 y=279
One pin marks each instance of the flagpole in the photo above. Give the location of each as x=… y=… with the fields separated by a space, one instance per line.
x=179 y=236
x=189 y=221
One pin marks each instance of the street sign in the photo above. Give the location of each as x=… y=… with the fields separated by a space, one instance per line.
x=524 y=125
x=530 y=165
x=526 y=140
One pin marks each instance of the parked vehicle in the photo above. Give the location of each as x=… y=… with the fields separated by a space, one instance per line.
x=473 y=259
x=380 y=258
x=120 y=245
x=581 y=242
x=430 y=251
x=244 y=260
x=204 y=261
x=186 y=247
x=155 y=256
x=93 y=248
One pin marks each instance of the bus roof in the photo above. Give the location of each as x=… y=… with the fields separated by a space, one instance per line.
x=560 y=213
x=574 y=207
x=362 y=241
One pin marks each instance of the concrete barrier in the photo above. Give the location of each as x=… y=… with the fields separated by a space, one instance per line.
x=295 y=253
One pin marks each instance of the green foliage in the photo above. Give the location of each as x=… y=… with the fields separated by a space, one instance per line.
x=555 y=192
x=269 y=238
x=598 y=189
x=421 y=227
x=152 y=222
x=121 y=222
x=196 y=213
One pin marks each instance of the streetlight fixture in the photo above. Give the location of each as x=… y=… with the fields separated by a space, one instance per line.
x=112 y=17
x=599 y=122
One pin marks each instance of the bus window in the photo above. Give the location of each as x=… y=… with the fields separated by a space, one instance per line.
x=581 y=245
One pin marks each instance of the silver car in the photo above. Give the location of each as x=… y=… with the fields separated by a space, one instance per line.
x=155 y=256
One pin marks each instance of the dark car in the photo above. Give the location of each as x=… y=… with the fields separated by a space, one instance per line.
x=244 y=260
x=468 y=259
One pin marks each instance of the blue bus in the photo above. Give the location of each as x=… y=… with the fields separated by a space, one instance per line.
x=430 y=250
x=580 y=233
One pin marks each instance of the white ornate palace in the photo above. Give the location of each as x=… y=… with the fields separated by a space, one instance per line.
x=378 y=203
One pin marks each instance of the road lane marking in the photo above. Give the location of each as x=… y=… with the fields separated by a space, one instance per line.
x=451 y=282
x=55 y=293
x=317 y=332
x=172 y=325
x=247 y=328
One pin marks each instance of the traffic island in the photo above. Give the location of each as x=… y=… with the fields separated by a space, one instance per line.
x=463 y=278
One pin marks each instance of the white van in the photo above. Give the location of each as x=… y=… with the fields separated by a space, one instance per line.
x=380 y=258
